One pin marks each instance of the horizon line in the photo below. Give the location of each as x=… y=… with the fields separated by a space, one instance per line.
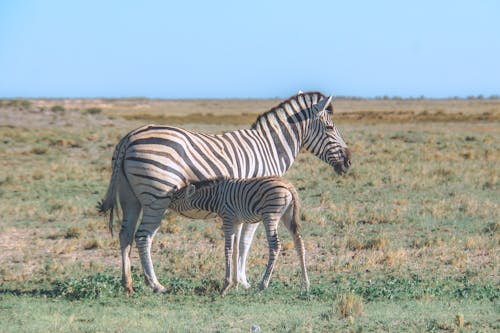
x=353 y=97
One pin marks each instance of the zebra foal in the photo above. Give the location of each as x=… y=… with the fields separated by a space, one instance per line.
x=239 y=201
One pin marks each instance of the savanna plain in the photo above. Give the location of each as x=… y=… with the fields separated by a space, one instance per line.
x=407 y=240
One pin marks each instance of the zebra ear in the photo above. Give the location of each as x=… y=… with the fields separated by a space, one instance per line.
x=190 y=190
x=322 y=104
x=300 y=92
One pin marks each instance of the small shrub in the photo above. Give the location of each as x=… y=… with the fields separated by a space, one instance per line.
x=73 y=232
x=287 y=246
x=58 y=109
x=39 y=150
x=92 y=245
x=37 y=175
x=354 y=244
x=208 y=286
x=93 y=110
x=394 y=257
x=6 y=180
x=171 y=228
x=459 y=320
x=180 y=286
x=492 y=228
x=377 y=243
x=90 y=287
x=55 y=207
x=434 y=325
x=349 y=305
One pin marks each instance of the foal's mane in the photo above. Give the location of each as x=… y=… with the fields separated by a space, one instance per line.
x=208 y=182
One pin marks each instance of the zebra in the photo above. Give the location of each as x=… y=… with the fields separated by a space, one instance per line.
x=239 y=201
x=151 y=161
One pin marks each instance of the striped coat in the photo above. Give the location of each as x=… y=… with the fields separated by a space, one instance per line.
x=239 y=201
x=151 y=161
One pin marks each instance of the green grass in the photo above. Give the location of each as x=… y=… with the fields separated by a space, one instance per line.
x=236 y=313
x=408 y=240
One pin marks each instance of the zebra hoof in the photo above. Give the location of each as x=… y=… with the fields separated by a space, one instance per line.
x=225 y=289
x=245 y=284
x=159 y=289
x=128 y=290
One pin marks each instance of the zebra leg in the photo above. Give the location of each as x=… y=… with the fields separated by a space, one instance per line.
x=130 y=218
x=131 y=208
x=299 y=244
x=229 y=238
x=271 y=224
x=301 y=252
x=236 y=243
x=247 y=234
x=151 y=219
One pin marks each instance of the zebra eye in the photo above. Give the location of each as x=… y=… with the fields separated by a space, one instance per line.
x=329 y=127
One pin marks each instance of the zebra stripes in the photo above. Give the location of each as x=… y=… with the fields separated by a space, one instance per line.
x=239 y=201
x=151 y=161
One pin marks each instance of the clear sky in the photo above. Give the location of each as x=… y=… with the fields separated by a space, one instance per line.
x=219 y=49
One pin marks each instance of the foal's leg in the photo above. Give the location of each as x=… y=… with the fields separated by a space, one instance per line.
x=299 y=244
x=271 y=225
x=229 y=237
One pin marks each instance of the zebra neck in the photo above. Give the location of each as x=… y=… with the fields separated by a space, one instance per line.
x=283 y=135
x=206 y=199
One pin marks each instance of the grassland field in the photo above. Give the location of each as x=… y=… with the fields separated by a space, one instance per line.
x=407 y=240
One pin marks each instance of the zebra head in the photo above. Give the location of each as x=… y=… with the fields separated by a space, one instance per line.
x=323 y=138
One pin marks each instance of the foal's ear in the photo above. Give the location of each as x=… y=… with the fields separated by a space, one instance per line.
x=190 y=190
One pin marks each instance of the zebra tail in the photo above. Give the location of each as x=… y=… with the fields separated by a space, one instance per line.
x=295 y=225
x=110 y=202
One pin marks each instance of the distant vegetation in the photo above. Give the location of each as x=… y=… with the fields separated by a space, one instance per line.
x=15 y=103
x=93 y=110
x=57 y=109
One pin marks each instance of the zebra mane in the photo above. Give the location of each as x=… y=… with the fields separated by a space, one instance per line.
x=282 y=105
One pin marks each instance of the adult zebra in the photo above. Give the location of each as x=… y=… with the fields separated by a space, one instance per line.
x=151 y=161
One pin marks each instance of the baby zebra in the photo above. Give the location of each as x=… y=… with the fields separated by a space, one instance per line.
x=239 y=201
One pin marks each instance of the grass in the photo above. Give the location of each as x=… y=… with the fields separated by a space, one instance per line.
x=238 y=313
x=408 y=240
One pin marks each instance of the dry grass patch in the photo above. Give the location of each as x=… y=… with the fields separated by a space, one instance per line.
x=378 y=243
x=73 y=232
x=357 y=243
x=92 y=244
x=243 y=119
x=395 y=258
x=349 y=305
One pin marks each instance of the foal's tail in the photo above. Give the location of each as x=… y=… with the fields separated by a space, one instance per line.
x=295 y=225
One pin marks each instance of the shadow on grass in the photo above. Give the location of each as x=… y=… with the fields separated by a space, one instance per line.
x=104 y=285
x=388 y=287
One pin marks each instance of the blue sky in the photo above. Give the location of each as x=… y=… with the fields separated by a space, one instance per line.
x=219 y=49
